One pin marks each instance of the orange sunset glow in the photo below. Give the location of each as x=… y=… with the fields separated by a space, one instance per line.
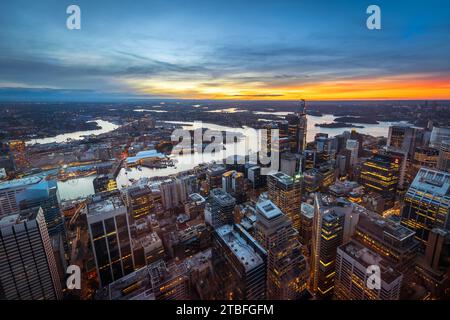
x=393 y=87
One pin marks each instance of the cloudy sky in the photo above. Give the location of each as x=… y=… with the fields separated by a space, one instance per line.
x=229 y=49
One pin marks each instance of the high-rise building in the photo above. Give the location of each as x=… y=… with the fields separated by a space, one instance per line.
x=425 y=157
x=285 y=192
x=233 y=183
x=214 y=177
x=139 y=201
x=220 y=208
x=402 y=138
x=195 y=205
x=394 y=242
x=380 y=174
x=432 y=267
x=239 y=262
x=104 y=183
x=289 y=164
x=32 y=192
x=439 y=134
x=353 y=147
x=286 y=266
x=427 y=203
x=328 y=234
x=306 y=224
x=109 y=232
x=255 y=177
x=28 y=268
x=443 y=162
x=297 y=129
x=352 y=278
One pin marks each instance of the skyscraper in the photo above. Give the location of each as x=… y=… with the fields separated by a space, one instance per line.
x=239 y=262
x=220 y=208
x=109 y=232
x=328 y=234
x=380 y=174
x=402 y=138
x=286 y=266
x=427 y=203
x=297 y=129
x=443 y=162
x=28 y=268
x=32 y=192
x=285 y=192
x=139 y=201
x=352 y=277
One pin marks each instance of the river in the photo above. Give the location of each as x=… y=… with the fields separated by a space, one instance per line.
x=82 y=187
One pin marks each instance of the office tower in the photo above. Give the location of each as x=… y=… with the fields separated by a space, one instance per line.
x=354 y=135
x=353 y=147
x=9 y=191
x=147 y=248
x=427 y=203
x=312 y=180
x=104 y=183
x=391 y=240
x=28 y=268
x=214 y=177
x=233 y=183
x=286 y=266
x=255 y=177
x=400 y=157
x=220 y=208
x=352 y=262
x=424 y=157
x=402 y=138
x=32 y=192
x=310 y=159
x=289 y=164
x=328 y=234
x=239 y=262
x=174 y=192
x=319 y=178
x=285 y=192
x=432 y=267
x=326 y=147
x=342 y=163
x=44 y=195
x=195 y=206
x=443 y=162
x=139 y=201
x=297 y=129
x=380 y=174
x=109 y=232
x=434 y=252
x=439 y=134
x=157 y=281
x=306 y=224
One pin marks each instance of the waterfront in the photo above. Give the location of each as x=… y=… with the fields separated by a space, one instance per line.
x=83 y=187
x=106 y=126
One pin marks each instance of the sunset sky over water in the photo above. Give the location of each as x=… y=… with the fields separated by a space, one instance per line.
x=226 y=50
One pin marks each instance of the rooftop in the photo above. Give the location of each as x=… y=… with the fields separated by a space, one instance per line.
x=283 y=178
x=248 y=257
x=100 y=206
x=366 y=257
x=17 y=183
x=431 y=181
x=268 y=209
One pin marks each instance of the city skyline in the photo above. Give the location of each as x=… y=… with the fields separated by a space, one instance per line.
x=233 y=51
